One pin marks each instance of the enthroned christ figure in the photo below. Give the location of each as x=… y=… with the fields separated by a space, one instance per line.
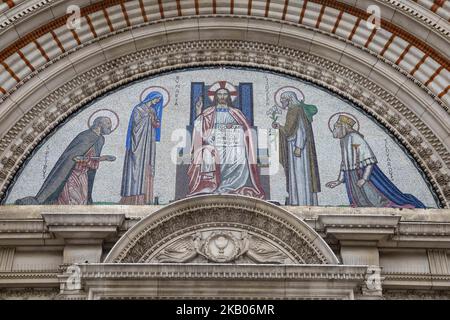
x=223 y=151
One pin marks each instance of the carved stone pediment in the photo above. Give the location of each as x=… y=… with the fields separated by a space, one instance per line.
x=222 y=246
x=222 y=229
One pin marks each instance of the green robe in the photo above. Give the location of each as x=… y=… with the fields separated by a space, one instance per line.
x=300 y=113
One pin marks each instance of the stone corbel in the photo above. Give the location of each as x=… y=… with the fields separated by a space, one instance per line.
x=359 y=228
x=83 y=233
x=71 y=284
x=372 y=288
x=359 y=235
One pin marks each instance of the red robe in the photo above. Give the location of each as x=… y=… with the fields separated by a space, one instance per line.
x=201 y=183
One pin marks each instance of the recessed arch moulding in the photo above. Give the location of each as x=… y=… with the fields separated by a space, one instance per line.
x=221 y=229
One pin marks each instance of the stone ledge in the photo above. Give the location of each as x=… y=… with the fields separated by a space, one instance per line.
x=14 y=212
x=83 y=225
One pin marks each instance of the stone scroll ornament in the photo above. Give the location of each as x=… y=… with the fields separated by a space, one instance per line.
x=221 y=246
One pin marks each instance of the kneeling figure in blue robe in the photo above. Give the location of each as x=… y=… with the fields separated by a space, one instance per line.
x=366 y=184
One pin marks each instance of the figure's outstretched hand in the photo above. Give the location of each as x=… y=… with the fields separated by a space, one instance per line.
x=79 y=158
x=297 y=152
x=333 y=184
x=107 y=158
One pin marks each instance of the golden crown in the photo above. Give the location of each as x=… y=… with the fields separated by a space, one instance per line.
x=346 y=120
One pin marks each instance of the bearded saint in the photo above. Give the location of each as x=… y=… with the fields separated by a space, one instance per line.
x=366 y=184
x=223 y=152
x=298 y=151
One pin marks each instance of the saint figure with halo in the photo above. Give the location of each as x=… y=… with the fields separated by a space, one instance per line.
x=143 y=133
x=297 y=147
x=71 y=180
x=366 y=184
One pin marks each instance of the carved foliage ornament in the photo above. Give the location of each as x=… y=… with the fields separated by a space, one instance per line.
x=222 y=246
x=221 y=235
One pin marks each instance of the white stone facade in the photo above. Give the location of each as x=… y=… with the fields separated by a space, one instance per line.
x=105 y=252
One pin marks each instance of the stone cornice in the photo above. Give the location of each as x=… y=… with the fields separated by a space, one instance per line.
x=416 y=280
x=359 y=227
x=29 y=278
x=86 y=226
x=103 y=271
x=115 y=281
x=23 y=229
x=389 y=227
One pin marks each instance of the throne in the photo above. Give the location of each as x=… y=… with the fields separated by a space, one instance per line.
x=242 y=99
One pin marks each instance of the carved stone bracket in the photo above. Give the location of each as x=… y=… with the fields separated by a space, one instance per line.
x=372 y=285
x=87 y=226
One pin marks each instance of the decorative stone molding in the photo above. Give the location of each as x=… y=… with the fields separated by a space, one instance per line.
x=29 y=294
x=416 y=294
x=424 y=281
x=150 y=236
x=221 y=246
x=422 y=232
x=372 y=285
x=83 y=225
x=18 y=279
x=412 y=9
x=359 y=227
x=243 y=9
x=221 y=281
x=22 y=226
x=22 y=10
x=6 y=258
x=430 y=153
x=416 y=232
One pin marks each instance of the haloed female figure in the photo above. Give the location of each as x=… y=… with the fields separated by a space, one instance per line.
x=139 y=165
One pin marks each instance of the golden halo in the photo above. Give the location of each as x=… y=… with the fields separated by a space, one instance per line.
x=222 y=85
x=105 y=113
x=336 y=115
x=162 y=90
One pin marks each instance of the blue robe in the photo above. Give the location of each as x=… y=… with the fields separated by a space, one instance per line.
x=378 y=191
x=139 y=164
